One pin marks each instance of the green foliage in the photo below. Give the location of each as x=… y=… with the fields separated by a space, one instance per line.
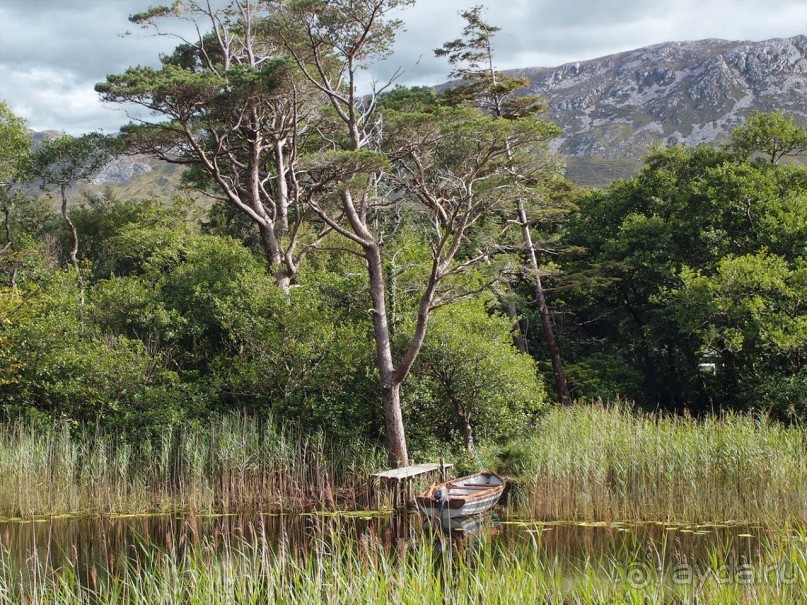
x=30 y=218
x=100 y=218
x=65 y=371
x=414 y=99
x=14 y=143
x=365 y=29
x=479 y=83
x=750 y=316
x=773 y=135
x=210 y=305
x=602 y=375
x=469 y=366
x=28 y=221
x=225 y=220
x=782 y=392
x=179 y=324
x=154 y=12
x=64 y=161
x=697 y=267
x=178 y=92
x=336 y=168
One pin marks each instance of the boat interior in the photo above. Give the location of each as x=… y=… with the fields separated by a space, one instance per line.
x=473 y=485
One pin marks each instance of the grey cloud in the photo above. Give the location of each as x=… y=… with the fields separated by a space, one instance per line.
x=55 y=51
x=552 y=13
x=84 y=41
x=548 y=33
x=52 y=52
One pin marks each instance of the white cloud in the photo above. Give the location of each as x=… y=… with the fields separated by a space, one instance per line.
x=52 y=52
x=55 y=100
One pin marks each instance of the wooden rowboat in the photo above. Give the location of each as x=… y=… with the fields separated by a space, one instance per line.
x=463 y=497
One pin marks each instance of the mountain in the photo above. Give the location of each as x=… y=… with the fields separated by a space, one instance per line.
x=141 y=177
x=121 y=170
x=615 y=108
x=129 y=176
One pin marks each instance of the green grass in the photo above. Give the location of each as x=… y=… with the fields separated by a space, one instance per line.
x=593 y=462
x=344 y=568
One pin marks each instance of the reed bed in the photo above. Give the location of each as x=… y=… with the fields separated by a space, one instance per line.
x=234 y=463
x=605 y=463
x=579 y=463
x=345 y=568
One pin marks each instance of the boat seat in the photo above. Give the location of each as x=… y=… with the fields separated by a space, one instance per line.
x=472 y=486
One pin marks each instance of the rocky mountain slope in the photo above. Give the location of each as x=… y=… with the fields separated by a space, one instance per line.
x=122 y=170
x=615 y=108
x=129 y=176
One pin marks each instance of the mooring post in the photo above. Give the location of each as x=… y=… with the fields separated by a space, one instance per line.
x=442 y=469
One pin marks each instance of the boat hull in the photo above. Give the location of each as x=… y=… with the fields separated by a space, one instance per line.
x=463 y=497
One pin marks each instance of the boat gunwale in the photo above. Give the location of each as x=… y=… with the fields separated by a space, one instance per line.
x=426 y=500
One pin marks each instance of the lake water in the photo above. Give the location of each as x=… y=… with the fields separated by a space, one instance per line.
x=98 y=546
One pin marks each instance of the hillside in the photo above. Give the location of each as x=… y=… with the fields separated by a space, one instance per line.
x=133 y=177
x=615 y=108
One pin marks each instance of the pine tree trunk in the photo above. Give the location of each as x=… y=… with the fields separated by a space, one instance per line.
x=74 y=248
x=467 y=431
x=273 y=257
x=10 y=246
x=393 y=421
x=518 y=336
x=552 y=346
x=390 y=387
x=561 y=385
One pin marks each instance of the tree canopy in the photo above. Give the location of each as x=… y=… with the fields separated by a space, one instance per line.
x=772 y=135
x=393 y=263
x=14 y=143
x=697 y=278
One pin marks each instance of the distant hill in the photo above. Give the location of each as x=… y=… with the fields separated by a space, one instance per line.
x=614 y=109
x=140 y=177
x=132 y=177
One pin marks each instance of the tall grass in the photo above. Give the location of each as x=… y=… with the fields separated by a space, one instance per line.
x=593 y=462
x=235 y=462
x=583 y=462
x=342 y=567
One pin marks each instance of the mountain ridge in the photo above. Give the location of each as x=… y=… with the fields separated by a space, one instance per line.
x=616 y=108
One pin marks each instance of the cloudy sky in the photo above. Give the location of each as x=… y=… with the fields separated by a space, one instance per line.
x=52 y=52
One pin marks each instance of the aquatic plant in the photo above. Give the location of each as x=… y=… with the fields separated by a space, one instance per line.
x=583 y=462
x=234 y=462
x=597 y=462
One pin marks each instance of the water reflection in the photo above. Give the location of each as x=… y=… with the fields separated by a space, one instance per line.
x=99 y=546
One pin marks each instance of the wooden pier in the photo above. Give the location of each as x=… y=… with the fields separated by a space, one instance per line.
x=400 y=479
